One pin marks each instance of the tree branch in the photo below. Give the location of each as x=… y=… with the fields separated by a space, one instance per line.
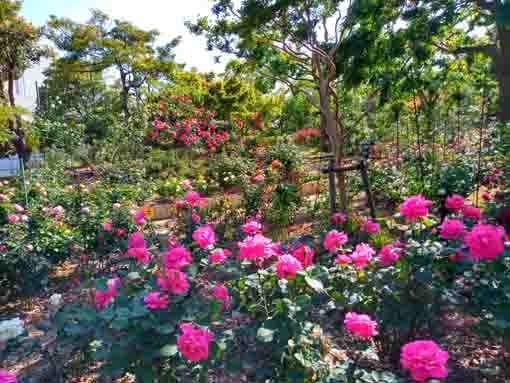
x=489 y=50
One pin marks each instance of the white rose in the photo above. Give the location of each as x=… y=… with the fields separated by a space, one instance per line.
x=10 y=329
x=56 y=300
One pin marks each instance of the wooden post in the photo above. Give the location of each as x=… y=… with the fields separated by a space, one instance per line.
x=332 y=185
x=366 y=184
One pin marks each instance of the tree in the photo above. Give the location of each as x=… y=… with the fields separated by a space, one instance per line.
x=102 y=44
x=492 y=16
x=296 y=43
x=19 y=40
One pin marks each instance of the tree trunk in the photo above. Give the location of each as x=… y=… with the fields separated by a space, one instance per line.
x=16 y=125
x=502 y=64
x=504 y=97
x=124 y=94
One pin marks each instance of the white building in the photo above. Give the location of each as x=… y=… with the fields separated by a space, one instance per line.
x=26 y=91
x=26 y=88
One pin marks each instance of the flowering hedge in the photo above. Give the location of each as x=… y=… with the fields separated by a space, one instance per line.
x=173 y=304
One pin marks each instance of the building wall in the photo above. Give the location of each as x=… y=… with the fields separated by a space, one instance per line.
x=25 y=88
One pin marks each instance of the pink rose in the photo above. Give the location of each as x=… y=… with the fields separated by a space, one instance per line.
x=174 y=281
x=156 y=301
x=192 y=198
x=343 y=259
x=221 y=293
x=334 y=240
x=256 y=248
x=361 y=255
x=455 y=202
x=485 y=241
x=452 y=229
x=287 y=267
x=177 y=258
x=107 y=226
x=116 y=205
x=194 y=342
x=360 y=325
x=304 y=254
x=389 y=254
x=415 y=207
x=139 y=218
x=204 y=236
x=13 y=218
x=338 y=218
x=424 y=359
x=472 y=212
x=371 y=227
x=252 y=227
x=219 y=255
x=7 y=377
x=19 y=208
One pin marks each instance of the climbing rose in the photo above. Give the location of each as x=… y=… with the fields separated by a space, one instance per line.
x=255 y=248
x=174 y=281
x=219 y=255
x=472 y=212
x=156 y=301
x=204 y=236
x=194 y=342
x=424 y=359
x=371 y=227
x=7 y=377
x=362 y=255
x=177 y=258
x=338 y=218
x=455 y=202
x=13 y=218
x=484 y=241
x=334 y=240
x=389 y=254
x=252 y=227
x=415 y=207
x=139 y=218
x=360 y=325
x=452 y=229
x=287 y=267
x=221 y=293
x=303 y=254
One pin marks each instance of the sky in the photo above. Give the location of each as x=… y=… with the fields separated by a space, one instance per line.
x=167 y=16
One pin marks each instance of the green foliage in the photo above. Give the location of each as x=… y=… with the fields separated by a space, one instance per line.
x=230 y=171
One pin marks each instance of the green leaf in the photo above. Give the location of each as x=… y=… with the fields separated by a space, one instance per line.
x=265 y=335
x=315 y=284
x=169 y=350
